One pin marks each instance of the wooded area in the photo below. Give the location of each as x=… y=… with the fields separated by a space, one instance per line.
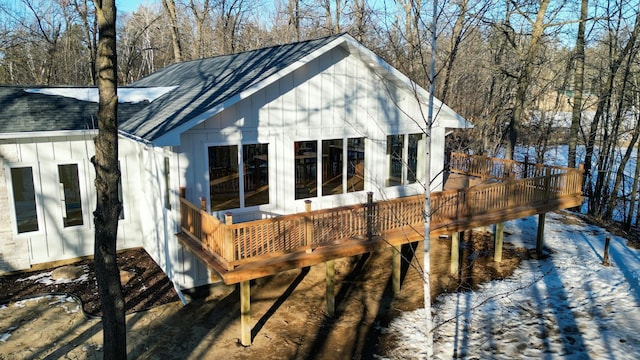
x=526 y=73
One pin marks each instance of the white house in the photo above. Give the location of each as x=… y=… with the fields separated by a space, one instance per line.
x=255 y=134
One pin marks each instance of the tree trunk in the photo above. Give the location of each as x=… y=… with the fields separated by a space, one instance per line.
x=294 y=17
x=170 y=7
x=636 y=177
x=578 y=86
x=603 y=101
x=108 y=205
x=199 y=18
x=524 y=79
x=456 y=38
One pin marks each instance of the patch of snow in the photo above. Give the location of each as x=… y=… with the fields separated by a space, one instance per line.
x=566 y=306
x=45 y=278
x=6 y=335
x=125 y=95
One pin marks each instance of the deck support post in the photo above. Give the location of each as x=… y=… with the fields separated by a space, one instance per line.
x=308 y=228
x=330 y=293
x=455 y=253
x=370 y=215
x=498 y=240
x=396 y=269
x=540 y=236
x=245 y=313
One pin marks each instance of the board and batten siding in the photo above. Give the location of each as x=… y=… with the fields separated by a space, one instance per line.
x=335 y=96
x=53 y=241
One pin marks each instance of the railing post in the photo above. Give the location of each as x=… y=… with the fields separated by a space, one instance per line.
x=183 y=192
x=308 y=228
x=203 y=203
x=547 y=183
x=229 y=248
x=370 y=215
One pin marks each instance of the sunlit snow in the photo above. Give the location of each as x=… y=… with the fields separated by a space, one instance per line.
x=125 y=95
x=566 y=306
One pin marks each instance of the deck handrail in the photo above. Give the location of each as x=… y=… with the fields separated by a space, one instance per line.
x=239 y=243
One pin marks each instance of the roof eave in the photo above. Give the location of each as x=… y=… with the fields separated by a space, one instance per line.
x=49 y=134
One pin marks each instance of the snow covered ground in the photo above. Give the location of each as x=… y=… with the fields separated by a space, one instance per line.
x=566 y=306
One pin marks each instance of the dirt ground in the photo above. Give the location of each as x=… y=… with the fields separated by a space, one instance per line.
x=288 y=312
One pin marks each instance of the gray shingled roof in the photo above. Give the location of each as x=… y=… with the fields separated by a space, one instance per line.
x=209 y=83
x=21 y=111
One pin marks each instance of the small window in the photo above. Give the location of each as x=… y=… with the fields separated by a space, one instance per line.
x=256 y=174
x=120 y=198
x=71 y=203
x=306 y=161
x=24 y=197
x=167 y=184
x=355 y=170
x=395 y=148
x=332 y=167
x=224 y=177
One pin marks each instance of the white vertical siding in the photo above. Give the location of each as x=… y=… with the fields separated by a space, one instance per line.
x=53 y=241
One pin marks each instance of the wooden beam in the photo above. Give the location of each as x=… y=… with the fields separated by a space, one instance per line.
x=495 y=217
x=294 y=260
x=245 y=313
x=455 y=253
x=330 y=293
x=498 y=237
x=396 y=269
x=540 y=236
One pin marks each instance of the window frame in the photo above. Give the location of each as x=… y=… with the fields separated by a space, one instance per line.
x=241 y=173
x=81 y=192
x=345 y=170
x=37 y=189
x=405 y=178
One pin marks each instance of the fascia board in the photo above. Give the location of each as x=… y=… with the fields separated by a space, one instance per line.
x=43 y=134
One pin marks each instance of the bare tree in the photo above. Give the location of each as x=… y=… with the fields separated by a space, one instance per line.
x=528 y=57
x=170 y=8
x=578 y=85
x=615 y=60
x=108 y=205
x=200 y=15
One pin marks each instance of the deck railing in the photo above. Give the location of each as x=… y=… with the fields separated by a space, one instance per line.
x=521 y=185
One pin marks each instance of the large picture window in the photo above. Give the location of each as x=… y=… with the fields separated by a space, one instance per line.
x=226 y=189
x=224 y=177
x=332 y=153
x=71 y=203
x=256 y=174
x=24 y=198
x=331 y=157
x=355 y=169
x=395 y=149
x=306 y=161
x=402 y=156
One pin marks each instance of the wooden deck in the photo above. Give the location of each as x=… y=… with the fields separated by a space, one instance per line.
x=480 y=191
